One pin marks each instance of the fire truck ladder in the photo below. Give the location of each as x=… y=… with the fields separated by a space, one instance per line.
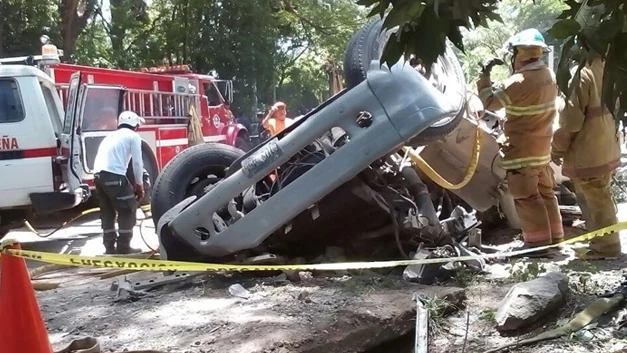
x=161 y=106
x=156 y=107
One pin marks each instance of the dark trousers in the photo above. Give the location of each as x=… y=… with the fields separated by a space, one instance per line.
x=116 y=197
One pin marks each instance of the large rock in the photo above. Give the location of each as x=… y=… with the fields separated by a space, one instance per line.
x=527 y=302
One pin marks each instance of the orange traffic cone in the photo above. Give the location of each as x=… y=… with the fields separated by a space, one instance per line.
x=22 y=328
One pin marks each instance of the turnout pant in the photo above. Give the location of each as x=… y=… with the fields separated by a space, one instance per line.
x=117 y=197
x=599 y=209
x=536 y=205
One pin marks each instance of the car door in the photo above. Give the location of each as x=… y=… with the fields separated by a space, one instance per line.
x=71 y=151
x=97 y=114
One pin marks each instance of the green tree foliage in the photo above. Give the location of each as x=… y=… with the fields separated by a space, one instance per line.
x=587 y=26
x=271 y=49
x=485 y=43
x=19 y=20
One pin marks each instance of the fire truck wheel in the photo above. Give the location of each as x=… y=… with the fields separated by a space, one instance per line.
x=243 y=144
x=446 y=75
x=189 y=173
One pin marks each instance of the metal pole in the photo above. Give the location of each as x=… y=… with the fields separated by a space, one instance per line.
x=421 y=344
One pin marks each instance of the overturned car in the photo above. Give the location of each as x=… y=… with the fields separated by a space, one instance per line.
x=339 y=176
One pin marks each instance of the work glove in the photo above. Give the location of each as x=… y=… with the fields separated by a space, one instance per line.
x=486 y=68
x=139 y=191
x=557 y=158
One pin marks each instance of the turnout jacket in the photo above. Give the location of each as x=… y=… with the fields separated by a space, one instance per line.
x=587 y=135
x=529 y=98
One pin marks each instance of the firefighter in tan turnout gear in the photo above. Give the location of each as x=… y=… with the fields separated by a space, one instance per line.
x=587 y=141
x=115 y=193
x=529 y=98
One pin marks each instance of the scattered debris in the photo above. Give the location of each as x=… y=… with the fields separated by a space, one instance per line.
x=527 y=302
x=125 y=290
x=608 y=303
x=237 y=290
x=156 y=282
x=281 y=278
x=422 y=326
x=430 y=273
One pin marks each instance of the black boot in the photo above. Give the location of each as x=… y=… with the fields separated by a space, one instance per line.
x=124 y=246
x=109 y=245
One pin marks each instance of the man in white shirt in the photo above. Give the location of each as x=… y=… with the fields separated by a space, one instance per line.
x=115 y=193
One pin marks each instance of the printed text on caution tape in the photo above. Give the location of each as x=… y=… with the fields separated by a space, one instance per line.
x=165 y=265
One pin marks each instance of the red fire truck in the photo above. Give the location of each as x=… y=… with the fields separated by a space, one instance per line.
x=163 y=96
x=52 y=122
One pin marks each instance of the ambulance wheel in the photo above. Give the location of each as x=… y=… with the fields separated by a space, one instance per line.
x=243 y=144
x=446 y=75
x=189 y=173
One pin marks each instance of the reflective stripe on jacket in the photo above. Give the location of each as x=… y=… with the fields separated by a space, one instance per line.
x=587 y=136
x=529 y=98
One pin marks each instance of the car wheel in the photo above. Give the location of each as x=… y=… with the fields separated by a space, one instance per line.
x=191 y=172
x=446 y=75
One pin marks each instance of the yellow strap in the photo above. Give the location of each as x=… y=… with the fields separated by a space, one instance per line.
x=437 y=178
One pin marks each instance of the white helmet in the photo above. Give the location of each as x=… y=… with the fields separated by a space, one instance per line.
x=130 y=118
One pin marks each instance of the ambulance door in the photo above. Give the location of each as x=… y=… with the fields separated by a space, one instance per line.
x=70 y=137
x=98 y=110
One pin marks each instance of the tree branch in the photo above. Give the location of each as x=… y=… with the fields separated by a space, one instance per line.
x=148 y=31
x=107 y=25
x=287 y=6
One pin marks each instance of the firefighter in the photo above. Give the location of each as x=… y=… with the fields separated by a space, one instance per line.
x=115 y=193
x=587 y=144
x=529 y=97
x=277 y=120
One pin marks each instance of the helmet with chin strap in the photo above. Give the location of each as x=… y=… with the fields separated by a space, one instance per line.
x=526 y=46
x=528 y=38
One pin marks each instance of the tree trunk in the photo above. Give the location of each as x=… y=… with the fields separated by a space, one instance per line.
x=73 y=23
x=255 y=100
x=117 y=31
x=2 y=11
x=186 y=32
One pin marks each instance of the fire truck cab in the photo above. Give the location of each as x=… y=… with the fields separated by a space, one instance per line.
x=54 y=116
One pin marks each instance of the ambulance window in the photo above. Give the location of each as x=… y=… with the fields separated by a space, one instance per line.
x=101 y=109
x=52 y=108
x=11 y=108
x=212 y=93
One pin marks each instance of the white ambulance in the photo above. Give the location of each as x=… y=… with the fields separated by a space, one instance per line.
x=35 y=174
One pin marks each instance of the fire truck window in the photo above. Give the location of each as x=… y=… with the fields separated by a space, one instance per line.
x=11 y=108
x=52 y=108
x=101 y=109
x=212 y=93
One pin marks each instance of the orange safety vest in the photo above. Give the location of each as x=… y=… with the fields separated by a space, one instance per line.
x=275 y=125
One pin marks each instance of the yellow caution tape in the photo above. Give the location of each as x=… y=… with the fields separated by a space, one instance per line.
x=164 y=265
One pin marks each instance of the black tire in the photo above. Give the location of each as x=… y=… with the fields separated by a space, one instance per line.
x=243 y=143
x=367 y=45
x=189 y=173
x=151 y=171
x=150 y=168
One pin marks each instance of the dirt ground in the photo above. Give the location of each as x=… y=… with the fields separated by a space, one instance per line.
x=322 y=313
